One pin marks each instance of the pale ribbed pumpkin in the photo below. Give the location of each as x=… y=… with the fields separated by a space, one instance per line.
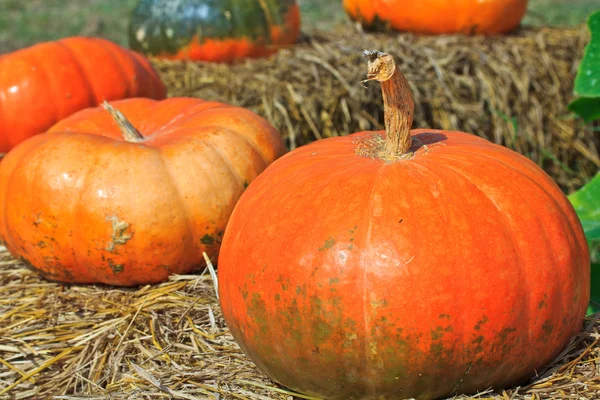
x=93 y=201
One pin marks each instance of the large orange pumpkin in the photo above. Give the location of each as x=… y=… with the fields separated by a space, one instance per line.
x=44 y=83
x=91 y=201
x=439 y=16
x=403 y=263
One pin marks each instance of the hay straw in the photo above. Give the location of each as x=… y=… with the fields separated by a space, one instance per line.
x=513 y=90
x=170 y=341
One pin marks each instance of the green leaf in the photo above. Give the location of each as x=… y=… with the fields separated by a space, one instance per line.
x=594 y=306
x=587 y=81
x=587 y=108
x=586 y=202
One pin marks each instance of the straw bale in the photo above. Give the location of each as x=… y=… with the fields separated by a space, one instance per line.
x=512 y=90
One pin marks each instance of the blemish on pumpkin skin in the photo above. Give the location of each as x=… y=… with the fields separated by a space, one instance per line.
x=207 y=240
x=116 y=268
x=257 y=311
x=477 y=342
x=41 y=244
x=548 y=327
x=504 y=333
x=120 y=236
x=543 y=303
x=437 y=334
x=328 y=244
x=481 y=322
x=301 y=290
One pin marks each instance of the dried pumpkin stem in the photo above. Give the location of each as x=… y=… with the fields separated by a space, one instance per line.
x=127 y=129
x=397 y=101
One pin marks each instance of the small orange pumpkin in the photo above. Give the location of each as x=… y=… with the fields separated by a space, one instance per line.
x=44 y=83
x=439 y=16
x=93 y=201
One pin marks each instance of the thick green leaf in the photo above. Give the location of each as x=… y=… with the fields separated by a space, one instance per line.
x=587 y=81
x=587 y=108
x=586 y=202
x=594 y=306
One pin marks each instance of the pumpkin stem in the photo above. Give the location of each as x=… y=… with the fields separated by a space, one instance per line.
x=129 y=132
x=397 y=101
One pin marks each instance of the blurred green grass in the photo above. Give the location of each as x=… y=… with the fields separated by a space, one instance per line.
x=25 y=22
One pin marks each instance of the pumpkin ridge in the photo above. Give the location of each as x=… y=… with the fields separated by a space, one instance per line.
x=540 y=228
x=157 y=89
x=186 y=115
x=119 y=66
x=177 y=190
x=78 y=205
x=517 y=254
x=246 y=116
x=225 y=161
x=520 y=172
x=268 y=19
x=86 y=77
x=32 y=145
x=366 y=303
x=49 y=82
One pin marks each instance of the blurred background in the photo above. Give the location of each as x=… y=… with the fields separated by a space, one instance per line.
x=24 y=22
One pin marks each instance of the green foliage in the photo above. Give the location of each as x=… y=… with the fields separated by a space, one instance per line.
x=587 y=82
x=586 y=202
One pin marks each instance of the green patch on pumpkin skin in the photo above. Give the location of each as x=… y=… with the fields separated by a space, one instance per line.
x=504 y=333
x=548 y=327
x=301 y=290
x=328 y=244
x=116 y=268
x=484 y=320
x=477 y=342
x=437 y=333
x=258 y=312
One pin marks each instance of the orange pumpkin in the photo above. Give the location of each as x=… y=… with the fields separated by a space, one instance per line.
x=44 y=83
x=93 y=201
x=439 y=16
x=421 y=263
